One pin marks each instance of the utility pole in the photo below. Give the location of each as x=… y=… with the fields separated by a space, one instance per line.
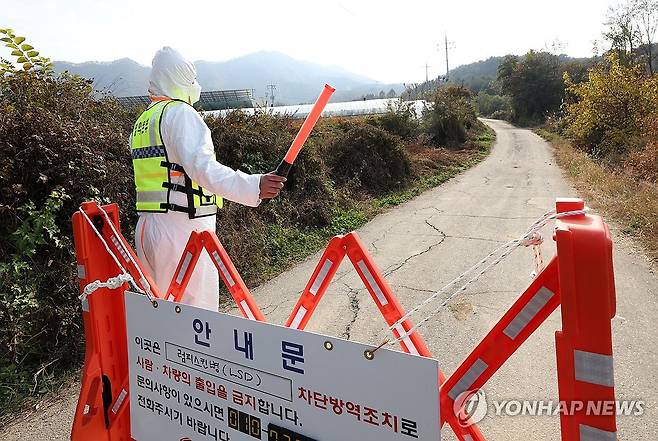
x=448 y=45
x=447 y=63
x=271 y=88
x=427 y=77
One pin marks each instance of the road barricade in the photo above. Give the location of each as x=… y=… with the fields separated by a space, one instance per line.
x=579 y=279
x=101 y=410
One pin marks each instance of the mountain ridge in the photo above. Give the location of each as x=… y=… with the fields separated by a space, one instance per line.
x=296 y=81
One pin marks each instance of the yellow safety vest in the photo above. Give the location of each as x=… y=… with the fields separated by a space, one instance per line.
x=153 y=171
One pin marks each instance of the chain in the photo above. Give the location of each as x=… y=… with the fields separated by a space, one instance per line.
x=530 y=238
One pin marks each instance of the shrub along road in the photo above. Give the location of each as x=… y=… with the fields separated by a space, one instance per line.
x=425 y=243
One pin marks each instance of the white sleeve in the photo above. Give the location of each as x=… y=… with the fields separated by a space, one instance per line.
x=187 y=139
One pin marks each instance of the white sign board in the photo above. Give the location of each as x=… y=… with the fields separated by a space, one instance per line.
x=197 y=375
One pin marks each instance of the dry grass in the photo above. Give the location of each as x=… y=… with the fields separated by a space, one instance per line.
x=631 y=203
x=427 y=160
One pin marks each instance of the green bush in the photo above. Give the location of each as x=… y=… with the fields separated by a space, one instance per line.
x=369 y=160
x=401 y=120
x=256 y=143
x=449 y=116
x=59 y=147
x=493 y=106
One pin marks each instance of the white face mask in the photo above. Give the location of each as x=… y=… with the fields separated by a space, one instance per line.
x=195 y=92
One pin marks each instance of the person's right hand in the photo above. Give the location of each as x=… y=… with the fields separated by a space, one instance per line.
x=271 y=185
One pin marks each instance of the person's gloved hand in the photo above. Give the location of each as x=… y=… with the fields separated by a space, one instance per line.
x=271 y=185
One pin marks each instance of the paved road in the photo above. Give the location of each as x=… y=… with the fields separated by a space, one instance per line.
x=424 y=244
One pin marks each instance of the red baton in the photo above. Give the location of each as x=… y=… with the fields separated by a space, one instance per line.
x=284 y=167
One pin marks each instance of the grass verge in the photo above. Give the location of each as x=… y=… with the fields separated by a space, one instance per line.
x=632 y=204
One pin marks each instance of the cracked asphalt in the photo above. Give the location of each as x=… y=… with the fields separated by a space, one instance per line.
x=425 y=243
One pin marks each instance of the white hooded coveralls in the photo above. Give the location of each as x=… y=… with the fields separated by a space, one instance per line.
x=161 y=237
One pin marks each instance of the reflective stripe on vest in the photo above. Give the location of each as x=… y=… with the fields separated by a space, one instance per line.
x=153 y=171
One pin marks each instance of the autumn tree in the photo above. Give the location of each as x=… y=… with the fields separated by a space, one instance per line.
x=608 y=115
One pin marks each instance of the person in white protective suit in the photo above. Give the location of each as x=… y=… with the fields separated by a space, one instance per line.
x=179 y=182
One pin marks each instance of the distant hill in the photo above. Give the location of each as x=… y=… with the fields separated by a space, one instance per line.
x=476 y=76
x=296 y=81
x=123 y=77
x=480 y=75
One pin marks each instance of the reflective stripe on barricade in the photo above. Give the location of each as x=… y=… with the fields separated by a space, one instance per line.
x=208 y=241
x=317 y=285
x=183 y=272
x=526 y=314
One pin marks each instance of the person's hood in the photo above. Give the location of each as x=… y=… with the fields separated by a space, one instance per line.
x=173 y=76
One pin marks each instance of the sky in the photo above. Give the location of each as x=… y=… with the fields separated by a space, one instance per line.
x=388 y=41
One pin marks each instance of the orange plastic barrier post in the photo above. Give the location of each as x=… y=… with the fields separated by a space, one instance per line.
x=208 y=241
x=104 y=387
x=584 y=345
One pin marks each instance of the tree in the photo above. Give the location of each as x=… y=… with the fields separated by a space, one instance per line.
x=382 y=94
x=533 y=83
x=449 y=115
x=623 y=32
x=631 y=28
x=391 y=94
x=607 y=115
x=24 y=53
x=646 y=12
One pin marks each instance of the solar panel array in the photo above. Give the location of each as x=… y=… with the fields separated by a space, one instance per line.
x=210 y=100
x=133 y=101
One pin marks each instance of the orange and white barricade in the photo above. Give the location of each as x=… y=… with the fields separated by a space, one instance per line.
x=579 y=279
x=101 y=410
x=102 y=253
